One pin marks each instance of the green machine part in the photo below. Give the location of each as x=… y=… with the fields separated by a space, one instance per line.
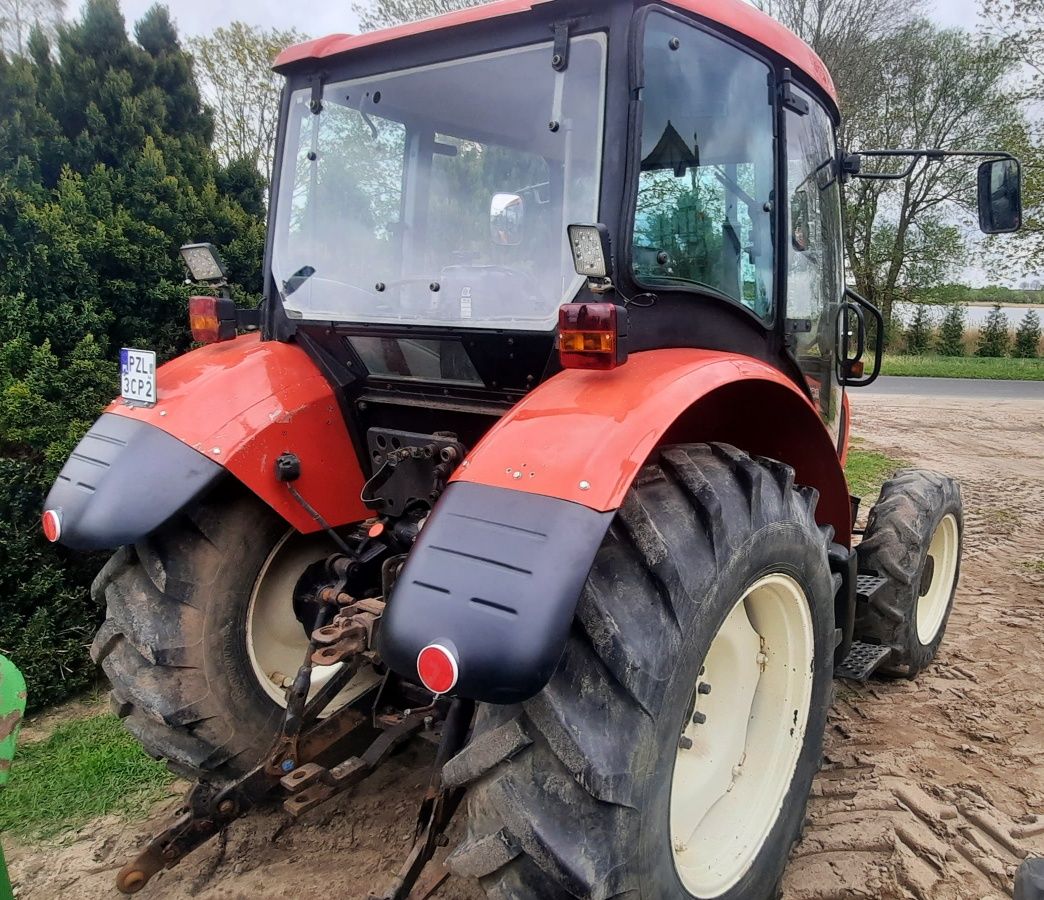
x=12 y=708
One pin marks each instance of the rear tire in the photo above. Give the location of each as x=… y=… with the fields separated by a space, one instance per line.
x=174 y=641
x=918 y=517
x=572 y=792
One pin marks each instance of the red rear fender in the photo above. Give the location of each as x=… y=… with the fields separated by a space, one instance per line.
x=245 y=402
x=583 y=436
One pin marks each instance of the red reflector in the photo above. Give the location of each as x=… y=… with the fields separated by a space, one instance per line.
x=51 y=521
x=589 y=336
x=437 y=669
x=212 y=319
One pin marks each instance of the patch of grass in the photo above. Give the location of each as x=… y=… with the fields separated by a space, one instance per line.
x=964 y=367
x=867 y=470
x=85 y=769
x=1036 y=566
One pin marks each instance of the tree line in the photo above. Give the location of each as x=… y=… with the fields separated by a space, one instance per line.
x=952 y=338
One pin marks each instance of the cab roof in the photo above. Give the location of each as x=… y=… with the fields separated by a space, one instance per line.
x=736 y=15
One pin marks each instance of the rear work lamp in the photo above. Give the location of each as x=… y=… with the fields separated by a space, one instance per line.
x=592 y=252
x=204 y=263
x=212 y=319
x=592 y=336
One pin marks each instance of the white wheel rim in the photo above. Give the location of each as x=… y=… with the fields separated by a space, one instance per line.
x=276 y=641
x=729 y=786
x=935 y=599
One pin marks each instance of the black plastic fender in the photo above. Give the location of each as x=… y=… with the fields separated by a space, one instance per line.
x=124 y=479
x=496 y=575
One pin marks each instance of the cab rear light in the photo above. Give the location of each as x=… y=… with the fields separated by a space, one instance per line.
x=212 y=319
x=592 y=335
x=437 y=669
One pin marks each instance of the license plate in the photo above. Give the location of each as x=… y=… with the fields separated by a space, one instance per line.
x=138 y=376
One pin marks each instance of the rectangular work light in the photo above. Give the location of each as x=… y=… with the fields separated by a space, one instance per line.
x=592 y=253
x=204 y=263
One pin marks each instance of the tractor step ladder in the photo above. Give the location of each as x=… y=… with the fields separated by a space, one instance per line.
x=864 y=659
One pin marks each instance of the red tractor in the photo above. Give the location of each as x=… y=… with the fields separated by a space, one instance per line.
x=534 y=448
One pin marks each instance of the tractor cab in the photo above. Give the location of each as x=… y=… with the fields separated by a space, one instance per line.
x=421 y=219
x=420 y=232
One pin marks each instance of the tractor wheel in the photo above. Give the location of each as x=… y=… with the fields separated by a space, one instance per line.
x=913 y=537
x=672 y=753
x=200 y=634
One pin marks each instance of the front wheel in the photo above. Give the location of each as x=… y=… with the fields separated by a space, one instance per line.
x=914 y=538
x=673 y=751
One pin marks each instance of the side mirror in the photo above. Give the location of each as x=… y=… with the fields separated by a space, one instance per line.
x=852 y=341
x=507 y=219
x=1000 y=196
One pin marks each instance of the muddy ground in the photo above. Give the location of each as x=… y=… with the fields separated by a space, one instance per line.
x=931 y=790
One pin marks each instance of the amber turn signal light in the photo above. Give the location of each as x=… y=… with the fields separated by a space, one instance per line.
x=592 y=336
x=212 y=319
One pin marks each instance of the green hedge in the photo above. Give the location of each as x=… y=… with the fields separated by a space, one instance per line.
x=105 y=170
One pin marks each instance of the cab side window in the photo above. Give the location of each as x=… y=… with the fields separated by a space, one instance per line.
x=815 y=262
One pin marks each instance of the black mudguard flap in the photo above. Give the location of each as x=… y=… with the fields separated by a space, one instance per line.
x=496 y=575
x=124 y=479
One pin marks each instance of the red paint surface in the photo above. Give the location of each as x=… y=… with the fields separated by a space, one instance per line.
x=733 y=14
x=245 y=402
x=598 y=428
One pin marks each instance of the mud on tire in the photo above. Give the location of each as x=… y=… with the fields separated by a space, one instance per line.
x=909 y=514
x=173 y=643
x=569 y=791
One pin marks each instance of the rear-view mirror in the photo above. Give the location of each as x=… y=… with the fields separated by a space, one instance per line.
x=507 y=216
x=1000 y=196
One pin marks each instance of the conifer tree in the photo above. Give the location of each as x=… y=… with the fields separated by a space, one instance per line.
x=994 y=336
x=1027 y=336
x=919 y=332
x=951 y=332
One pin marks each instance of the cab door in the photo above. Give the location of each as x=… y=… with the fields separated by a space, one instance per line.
x=814 y=253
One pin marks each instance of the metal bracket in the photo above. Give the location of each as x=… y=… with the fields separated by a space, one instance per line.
x=560 y=54
x=315 y=105
x=208 y=808
x=408 y=468
x=789 y=99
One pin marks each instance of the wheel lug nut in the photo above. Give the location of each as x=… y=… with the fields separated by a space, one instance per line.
x=704 y=687
x=698 y=718
x=685 y=743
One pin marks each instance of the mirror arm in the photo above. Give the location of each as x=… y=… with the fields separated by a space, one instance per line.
x=918 y=155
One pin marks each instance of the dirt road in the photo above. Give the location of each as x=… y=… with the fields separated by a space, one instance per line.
x=932 y=790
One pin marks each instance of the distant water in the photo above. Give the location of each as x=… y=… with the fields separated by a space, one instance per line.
x=975 y=315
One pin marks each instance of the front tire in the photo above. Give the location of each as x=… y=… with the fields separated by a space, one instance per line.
x=585 y=790
x=914 y=538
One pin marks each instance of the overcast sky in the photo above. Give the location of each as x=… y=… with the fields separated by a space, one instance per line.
x=202 y=16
